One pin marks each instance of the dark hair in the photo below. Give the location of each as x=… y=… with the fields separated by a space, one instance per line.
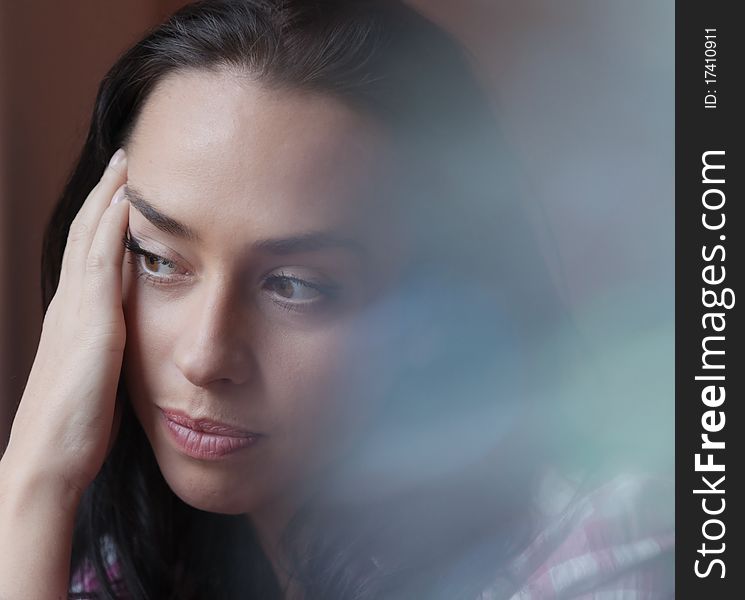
x=386 y=60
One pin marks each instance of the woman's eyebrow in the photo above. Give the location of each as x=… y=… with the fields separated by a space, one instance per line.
x=161 y=221
x=303 y=242
x=308 y=242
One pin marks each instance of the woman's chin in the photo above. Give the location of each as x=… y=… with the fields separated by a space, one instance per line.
x=208 y=491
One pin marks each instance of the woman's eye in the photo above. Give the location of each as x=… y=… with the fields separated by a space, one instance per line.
x=292 y=288
x=157 y=266
x=150 y=265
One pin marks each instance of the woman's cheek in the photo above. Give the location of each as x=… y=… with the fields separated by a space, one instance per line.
x=152 y=324
x=322 y=393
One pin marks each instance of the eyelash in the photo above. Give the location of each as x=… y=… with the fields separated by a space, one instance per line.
x=329 y=292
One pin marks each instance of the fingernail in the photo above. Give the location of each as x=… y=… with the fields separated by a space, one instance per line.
x=118 y=158
x=118 y=195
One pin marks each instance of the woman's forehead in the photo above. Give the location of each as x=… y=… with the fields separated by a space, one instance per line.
x=214 y=140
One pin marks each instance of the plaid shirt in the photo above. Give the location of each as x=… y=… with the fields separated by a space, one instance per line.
x=615 y=543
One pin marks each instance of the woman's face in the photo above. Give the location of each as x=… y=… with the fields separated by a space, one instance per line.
x=269 y=212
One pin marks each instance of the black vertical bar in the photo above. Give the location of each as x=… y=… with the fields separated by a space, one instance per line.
x=710 y=546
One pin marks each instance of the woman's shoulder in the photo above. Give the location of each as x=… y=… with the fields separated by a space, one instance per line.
x=613 y=542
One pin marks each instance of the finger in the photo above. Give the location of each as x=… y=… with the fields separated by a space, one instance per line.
x=100 y=196
x=103 y=266
x=85 y=223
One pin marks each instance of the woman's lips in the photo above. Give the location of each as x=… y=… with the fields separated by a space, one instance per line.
x=205 y=439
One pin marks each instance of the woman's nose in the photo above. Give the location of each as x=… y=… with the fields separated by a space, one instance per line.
x=213 y=345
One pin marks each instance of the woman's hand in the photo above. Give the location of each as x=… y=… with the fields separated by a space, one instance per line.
x=64 y=426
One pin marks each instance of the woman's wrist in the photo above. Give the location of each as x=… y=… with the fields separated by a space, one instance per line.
x=25 y=488
x=37 y=517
